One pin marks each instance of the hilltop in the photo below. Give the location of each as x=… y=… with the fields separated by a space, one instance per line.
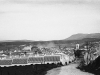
x=81 y=36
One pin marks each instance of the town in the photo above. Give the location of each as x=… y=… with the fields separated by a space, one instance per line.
x=28 y=54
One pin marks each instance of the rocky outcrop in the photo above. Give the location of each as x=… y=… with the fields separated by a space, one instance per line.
x=92 y=67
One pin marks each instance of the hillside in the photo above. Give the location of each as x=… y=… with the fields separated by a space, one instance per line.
x=83 y=36
x=69 y=42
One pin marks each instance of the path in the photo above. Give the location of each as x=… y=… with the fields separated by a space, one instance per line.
x=67 y=70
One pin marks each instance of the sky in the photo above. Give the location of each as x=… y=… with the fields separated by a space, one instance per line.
x=48 y=19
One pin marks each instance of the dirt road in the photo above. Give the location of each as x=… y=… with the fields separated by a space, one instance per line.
x=67 y=70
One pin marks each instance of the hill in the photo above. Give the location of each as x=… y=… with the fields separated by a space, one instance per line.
x=69 y=42
x=83 y=36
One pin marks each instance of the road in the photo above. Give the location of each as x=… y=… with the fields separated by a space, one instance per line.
x=67 y=70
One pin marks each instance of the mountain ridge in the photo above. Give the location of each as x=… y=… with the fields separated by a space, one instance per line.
x=74 y=39
x=81 y=36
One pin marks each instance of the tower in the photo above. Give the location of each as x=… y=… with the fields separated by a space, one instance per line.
x=77 y=46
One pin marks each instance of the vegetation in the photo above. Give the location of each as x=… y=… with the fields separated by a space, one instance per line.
x=91 y=58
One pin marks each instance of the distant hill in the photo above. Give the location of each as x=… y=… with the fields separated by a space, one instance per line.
x=83 y=36
x=69 y=42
